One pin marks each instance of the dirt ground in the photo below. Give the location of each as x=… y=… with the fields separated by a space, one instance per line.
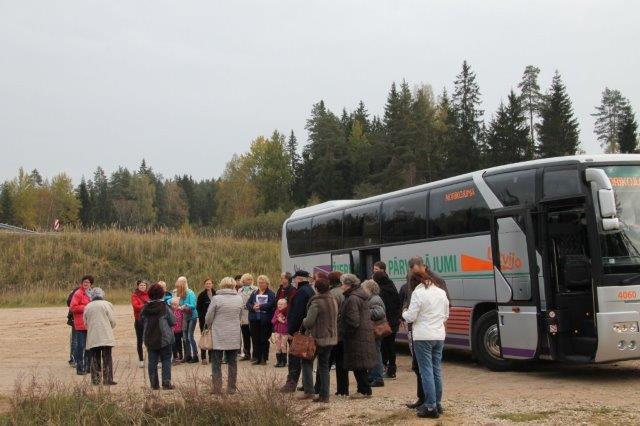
x=36 y=342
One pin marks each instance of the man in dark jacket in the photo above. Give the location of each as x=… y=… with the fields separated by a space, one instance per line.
x=391 y=299
x=286 y=290
x=297 y=312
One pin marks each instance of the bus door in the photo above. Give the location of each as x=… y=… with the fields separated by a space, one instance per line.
x=362 y=262
x=516 y=281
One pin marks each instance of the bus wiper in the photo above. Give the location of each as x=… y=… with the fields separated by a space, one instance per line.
x=631 y=279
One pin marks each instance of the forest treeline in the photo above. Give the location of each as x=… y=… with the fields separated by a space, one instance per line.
x=420 y=137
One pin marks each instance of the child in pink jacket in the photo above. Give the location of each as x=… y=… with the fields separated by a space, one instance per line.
x=279 y=322
x=178 y=357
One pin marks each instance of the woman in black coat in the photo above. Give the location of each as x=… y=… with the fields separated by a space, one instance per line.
x=202 y=306
x=393 y=305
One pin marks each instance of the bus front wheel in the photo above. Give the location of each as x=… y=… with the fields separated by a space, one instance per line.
x=486 y=343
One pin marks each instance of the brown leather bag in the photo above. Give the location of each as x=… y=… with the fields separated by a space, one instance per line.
x=303 y=346
x=381 y=328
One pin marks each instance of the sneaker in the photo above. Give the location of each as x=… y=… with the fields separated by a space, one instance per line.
x=141 y=364
x=245 y=358
x=324 y=400
x=232 y=391
x=390 y=376
x=377 y=384
x=429 y=413
x=440 y=409
x=168 y=386
x=414 y=405
x=360 y=395
x=305 y=396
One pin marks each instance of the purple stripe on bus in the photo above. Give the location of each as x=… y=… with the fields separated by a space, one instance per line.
x=522 y=353
x=457 y=341
x=322 y=268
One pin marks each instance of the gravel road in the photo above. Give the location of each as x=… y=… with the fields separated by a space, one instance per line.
x=34 y=342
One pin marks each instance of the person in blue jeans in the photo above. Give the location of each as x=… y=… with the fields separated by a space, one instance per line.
x=158 y=320
x=188 y=307
x=427 y=313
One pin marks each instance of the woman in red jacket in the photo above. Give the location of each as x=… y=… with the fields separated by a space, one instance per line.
x=80 y=299
x=138 y=299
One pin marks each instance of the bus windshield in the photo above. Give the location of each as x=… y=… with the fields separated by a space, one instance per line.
x=621 y=249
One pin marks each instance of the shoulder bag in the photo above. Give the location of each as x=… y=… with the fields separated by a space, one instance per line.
x=381 y=328
x=303 y=346
x=206 y=340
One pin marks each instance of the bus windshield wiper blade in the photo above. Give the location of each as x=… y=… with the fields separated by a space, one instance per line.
x=631 y=279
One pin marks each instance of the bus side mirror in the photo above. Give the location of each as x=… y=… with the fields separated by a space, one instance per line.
x=606 y=198
x=607 y=203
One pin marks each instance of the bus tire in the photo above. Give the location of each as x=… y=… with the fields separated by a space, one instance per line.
x=486 y=343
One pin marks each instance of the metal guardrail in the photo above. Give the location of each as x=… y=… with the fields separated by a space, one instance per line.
x=11 y=228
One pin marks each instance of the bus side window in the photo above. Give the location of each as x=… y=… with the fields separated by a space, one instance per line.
x=404 y=218
x=560 y=183
x=569 y=248
x=457 y=209
x=514 y=188
x=298 y=235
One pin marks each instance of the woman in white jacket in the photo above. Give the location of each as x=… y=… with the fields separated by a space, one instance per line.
x=427 y=312
x=99 y=319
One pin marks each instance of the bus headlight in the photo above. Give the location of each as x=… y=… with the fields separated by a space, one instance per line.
x=624 y=327
x=621 y=344
x=632 y=345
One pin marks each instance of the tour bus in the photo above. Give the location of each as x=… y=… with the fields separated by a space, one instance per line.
x=541 y=258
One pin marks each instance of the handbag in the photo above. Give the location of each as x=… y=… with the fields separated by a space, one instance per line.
x=206 y=340
x=381 y=328
x=303 y=346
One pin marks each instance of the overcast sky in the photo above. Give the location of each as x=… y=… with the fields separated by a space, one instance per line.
x=187 y=84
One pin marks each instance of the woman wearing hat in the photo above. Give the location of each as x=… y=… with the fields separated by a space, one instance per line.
x=100 y=321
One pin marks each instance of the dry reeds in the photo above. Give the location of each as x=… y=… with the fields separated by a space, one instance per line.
x=42 y=269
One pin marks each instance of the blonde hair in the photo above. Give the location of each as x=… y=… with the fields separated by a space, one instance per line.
x=163 y=285
x=282 y=300
x=265 y=278
x=246 y=277
x=175 y=300
x=371 y=287
x=227 y=282
x=181 y=287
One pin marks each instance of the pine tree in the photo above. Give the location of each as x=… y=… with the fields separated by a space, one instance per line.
x=627 y=133
x=558 y=131
x=36 y=177
x=6 y=205
x=464 y=152
x=86 y=208
x=346 y=121
x=531 y=99
x=429 y=154
x=100 y=194
x=327 y=155
x=508 y=136
x=445 y=126
x=608 y=118
x=362 y=115
x=292 y=149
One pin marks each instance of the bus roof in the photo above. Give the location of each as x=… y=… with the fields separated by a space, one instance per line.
x=330 y=206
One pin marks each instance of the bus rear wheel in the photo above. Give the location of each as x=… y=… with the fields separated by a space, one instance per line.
x=486 y=343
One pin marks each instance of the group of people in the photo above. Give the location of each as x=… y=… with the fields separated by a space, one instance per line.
x=353 y=324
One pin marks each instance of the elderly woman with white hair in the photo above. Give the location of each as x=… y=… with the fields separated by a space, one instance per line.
x=190 y=314
x=223 y=318
x=99 y=319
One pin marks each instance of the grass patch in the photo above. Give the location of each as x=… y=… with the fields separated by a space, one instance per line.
x=53 y=403
x=525 y=417
x=40 y=270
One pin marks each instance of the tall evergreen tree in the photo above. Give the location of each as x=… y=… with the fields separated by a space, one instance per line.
x=292 y=149
x=508 y=136
x=531 y=99
x=86 y=208
x=627 y=133
x=6 y=205
x=362 y=115
x=187 y=184
x=429 y=154
x=346 y=121
x=101 y=199
x=464 y=152
x=608 y=118
x=36 y=177
x=327 y=155
x=558 y=131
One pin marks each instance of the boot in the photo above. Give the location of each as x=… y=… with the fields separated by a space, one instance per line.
x=278 y=361
x=284 y=359
x=166 y=385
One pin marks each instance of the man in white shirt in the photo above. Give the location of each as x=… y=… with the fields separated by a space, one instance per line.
x=427 y=312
